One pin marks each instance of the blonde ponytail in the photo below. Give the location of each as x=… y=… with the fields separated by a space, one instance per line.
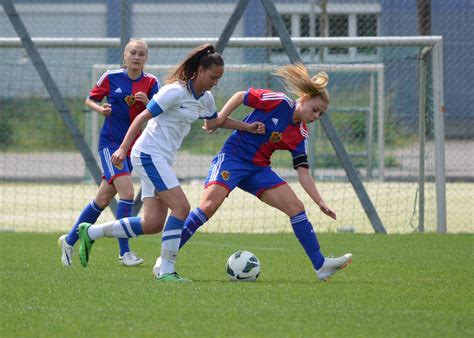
x=296 y=80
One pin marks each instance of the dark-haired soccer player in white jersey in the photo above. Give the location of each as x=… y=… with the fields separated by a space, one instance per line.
x=185 y=98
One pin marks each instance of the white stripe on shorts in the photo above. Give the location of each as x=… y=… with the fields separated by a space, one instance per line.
x=217 y=167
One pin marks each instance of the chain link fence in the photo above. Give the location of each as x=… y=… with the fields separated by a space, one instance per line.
x=44 y=181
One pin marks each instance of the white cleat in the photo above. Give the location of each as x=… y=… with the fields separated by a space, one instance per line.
x=156 y=268
x=130 y=259
x=332 y=265
x=66 y=251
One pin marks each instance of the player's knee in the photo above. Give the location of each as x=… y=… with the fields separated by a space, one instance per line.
x=295 y=208
x=128 y=195
x=151 y=226
x=181 y=211
x=209 y=208
x=102 y=202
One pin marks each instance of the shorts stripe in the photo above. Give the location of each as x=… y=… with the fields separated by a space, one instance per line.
x=217 y=167
x=152 y=172
x=108 y=161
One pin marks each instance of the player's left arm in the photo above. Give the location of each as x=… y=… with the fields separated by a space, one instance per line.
x=223 y=121
x=254 y=127
x=307 y=182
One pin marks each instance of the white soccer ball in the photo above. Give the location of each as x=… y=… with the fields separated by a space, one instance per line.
x=243 y=266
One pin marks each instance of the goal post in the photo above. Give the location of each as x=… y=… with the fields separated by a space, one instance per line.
x=375 y=104
x=388 y=182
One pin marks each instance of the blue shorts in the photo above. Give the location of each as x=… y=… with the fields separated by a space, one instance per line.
x=231 y=172
x=111 y=171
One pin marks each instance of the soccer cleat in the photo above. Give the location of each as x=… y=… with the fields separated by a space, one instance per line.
x=156 y=268
x=86 y=243
x=332 y=265
x=173 y=277
x=130 y=259
x=66 y=251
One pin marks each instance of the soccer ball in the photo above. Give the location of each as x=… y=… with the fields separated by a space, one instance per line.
x=243 y=266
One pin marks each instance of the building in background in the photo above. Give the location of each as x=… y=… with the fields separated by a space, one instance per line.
x=454 y=20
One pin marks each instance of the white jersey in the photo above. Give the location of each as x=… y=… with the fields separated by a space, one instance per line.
x=173 y=108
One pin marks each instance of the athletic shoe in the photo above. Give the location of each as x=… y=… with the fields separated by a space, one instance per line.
x=86 y=243
x=173 y=277
x=130 y=259
x=156 y=268
x=66 y=251
x=332 y=265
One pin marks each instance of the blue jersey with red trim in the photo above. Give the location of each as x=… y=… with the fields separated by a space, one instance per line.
x=275 y=110
x=119 y=90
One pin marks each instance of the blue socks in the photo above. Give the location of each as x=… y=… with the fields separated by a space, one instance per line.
x=307 y=238
x=121 y=228
x=170 y=244
x=195 y=219
x=124 y=209
x=90 y=214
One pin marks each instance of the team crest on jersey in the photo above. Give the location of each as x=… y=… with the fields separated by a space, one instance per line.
x=276 y=137
x=119 y=167
x=225 y=175
x=130 y=99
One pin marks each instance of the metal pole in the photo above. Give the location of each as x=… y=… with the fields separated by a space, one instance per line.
x=230 y=26
x=125 y=17
x=323 y=25
x=381 y=123
x=54 y=93
x=438 y=110
x=327 y=124
x=422 y=133
x=370 y=131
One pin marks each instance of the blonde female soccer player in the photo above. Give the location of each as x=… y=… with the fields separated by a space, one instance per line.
x=244 y=160
x=185 y=98
x=128 y=90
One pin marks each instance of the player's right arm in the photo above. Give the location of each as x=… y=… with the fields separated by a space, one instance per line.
x=100 y=90
x=104 y=109
x=119 y=155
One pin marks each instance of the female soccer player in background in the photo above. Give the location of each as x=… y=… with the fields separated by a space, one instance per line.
x=244 y=160
x=128 y=91
x=185 y=98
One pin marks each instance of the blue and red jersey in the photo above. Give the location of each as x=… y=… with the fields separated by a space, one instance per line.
x=276 y=111
x=120 y=90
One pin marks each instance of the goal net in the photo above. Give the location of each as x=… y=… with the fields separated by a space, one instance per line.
x=375 y=108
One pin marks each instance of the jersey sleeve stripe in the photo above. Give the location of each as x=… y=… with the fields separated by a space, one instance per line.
x=154 y=108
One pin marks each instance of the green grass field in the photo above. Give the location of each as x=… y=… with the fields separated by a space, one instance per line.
x=397 y=286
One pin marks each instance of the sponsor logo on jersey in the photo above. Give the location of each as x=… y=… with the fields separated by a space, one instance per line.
x=225 y=175
x=276 y=137
x=275 y=121
x=119 y=167
x=130 y=99
x=118 y=90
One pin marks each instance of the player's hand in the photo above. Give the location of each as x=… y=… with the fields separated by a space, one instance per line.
x=118 y=157
x=327 y=210
x=141 y=96
x=106 y=109
x=256 y=128
x=211 y=125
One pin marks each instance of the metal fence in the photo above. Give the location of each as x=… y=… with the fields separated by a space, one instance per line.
x=37 y=158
